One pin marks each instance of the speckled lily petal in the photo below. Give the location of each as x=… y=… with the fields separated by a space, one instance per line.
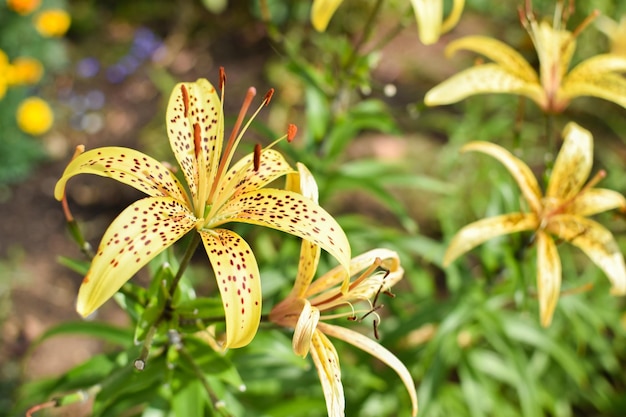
x=480 y=231
x=598 y=244
x=327 y=363
x=375 y=349
x=242 y=177
x=239 y=281
x=127 y=166
x=598 y=77
x=291 y=213
x=481 y=79
x=518 y=169
x=322 y=11
x=137 y=235
x=194 y=109
x=597 y=200
x=548 y=277
x=573 y=163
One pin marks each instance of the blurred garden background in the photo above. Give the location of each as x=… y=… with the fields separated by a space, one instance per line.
x=388 y=168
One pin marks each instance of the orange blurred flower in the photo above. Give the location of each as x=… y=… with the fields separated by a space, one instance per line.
x=23 y=7
x=53 y=22
x=34 y=116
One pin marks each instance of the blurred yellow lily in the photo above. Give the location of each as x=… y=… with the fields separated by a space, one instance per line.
x=217 y=195
x=616 y=32
x=553 y=88
x=428 y=14
x=562 y=212
x=377 y=270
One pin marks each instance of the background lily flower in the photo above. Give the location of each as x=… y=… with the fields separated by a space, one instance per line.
x=553 y=88
x=428 y=14
x=562 y=212
x=615 y=31
x=217 y=195
x=303 y=308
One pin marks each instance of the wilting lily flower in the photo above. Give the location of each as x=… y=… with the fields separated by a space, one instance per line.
x=562 y=213
x=305 y=307
x=217 y=195
x=553 y=88
x=428 y=14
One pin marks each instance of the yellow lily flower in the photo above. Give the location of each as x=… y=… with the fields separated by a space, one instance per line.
x=562 y=212
x=616 y=32
x=303 y=308
x=428 y=14
x=217 y=195
x=553 y=88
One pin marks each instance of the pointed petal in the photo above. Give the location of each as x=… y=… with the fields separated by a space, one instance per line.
x=598 y=244
x=482 y=79
x=500 y=53
x=137 y=235
x=305 y=327
x=572 y=165
x=455 y=15
x=597 y=77
x=596 y=200
x=303 y=182
x=375 y=349
x=548 y=277
x=127 y=166
x=428 y=15
x=194 y=104
x=291 y=213
x=322 y=11
x=518 y=169
x=242 y=177
x=479 y=232
x=555 y=48
x=239 y=281
x=327 y=363
x=365 y=289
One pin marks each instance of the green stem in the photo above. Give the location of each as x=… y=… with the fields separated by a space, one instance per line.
x=367 y=32
x=191 y=249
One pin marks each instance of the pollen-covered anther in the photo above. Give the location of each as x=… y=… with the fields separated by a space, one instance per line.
x=292 y=130
x=268 y=96
x=257 y=157
x=222 y=81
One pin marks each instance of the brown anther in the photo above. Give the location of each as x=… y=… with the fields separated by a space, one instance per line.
x=197 y=141
x=257 y=157
x=352 y=318
x=183 y=89
x=222 y=78
x=268 y=96
x=375 y=324
x=292 y=130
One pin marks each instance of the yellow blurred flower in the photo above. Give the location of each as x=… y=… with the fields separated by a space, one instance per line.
x=616 y=32
x=23 y=7
x=34 y=116
x=24 y=70
x=4 y=72
x=53 y=22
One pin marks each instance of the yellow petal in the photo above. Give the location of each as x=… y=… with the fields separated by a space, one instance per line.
x=327 y=363
x=190 y=105
x=375 y=349
x=455 y=15
x=291 y=213
x=479 y=232
x=548 y=277
x=303 y=182
x=573 y=163
x=518 y=169
x=482 y=79
x=242 y=177
x=597 y=77
x=598 y=244
x=127 y=166
x=555 y=48
x=596 y=200
x=305 y=327
x=239 y=281
x=137 y=235
x=428 y=14
x=322 y=11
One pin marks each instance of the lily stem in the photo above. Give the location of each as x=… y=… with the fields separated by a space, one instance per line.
x=191 y=249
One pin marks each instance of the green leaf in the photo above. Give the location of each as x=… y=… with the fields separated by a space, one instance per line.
x=112 y=334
